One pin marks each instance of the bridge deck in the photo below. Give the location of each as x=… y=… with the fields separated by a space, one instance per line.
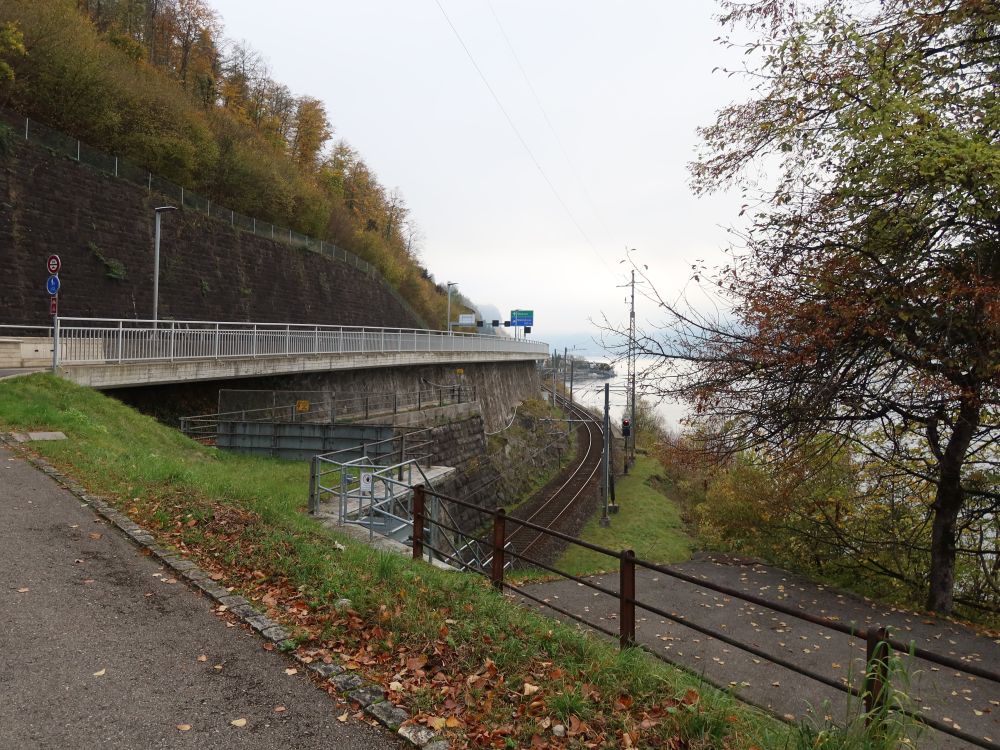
x=110 y=353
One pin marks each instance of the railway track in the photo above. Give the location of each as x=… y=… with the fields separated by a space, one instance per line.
x=560 y=503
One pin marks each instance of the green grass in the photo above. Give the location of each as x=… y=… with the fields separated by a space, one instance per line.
x=245 y=517
x=648 y=522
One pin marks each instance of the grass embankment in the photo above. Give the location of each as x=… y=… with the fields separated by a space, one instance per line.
x=463 y=658
x=647 y=522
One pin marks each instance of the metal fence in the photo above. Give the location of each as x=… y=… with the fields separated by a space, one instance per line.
x=115 y=340
x=873 y=690
x=331 y=409
x=110 y=164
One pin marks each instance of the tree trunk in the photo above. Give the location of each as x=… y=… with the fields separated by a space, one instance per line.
x=947 y=503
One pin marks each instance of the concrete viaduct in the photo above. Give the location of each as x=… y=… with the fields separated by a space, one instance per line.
x=114 y=354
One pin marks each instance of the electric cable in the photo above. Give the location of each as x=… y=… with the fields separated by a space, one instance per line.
x=521 y=138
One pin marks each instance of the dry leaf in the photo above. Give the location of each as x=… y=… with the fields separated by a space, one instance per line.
x=183 y=727
x=279 y=709
x=436 y=723
x=291 y=671
x=530 y=689
x=94 y=535
x=343 y=717
x=101 y=673
x=239 y=722
x=24 y=590
x=203 y=658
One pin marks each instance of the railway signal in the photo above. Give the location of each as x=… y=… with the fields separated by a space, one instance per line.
x=626 y=427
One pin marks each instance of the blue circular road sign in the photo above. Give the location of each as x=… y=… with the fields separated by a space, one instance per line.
x=52 y=285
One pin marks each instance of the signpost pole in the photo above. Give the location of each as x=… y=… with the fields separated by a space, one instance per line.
x=605 y=459
x=55 y=342
x=53 y=265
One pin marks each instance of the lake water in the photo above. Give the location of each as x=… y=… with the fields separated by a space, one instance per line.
x=590 y=393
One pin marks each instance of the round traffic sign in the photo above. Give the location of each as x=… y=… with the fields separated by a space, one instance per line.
x=53 y=264
x=52 y=285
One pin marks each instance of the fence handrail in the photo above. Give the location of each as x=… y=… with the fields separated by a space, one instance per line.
x=628 y=602
x=88 y=340
x=736 y=594
x=11 y=326
x=167 y=323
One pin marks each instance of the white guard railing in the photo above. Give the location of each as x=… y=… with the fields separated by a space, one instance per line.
x=106 y=340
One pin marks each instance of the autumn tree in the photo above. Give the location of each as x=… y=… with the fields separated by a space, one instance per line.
x=309 y=132
x=861 y=303
x=11 y=45
x=155 y=82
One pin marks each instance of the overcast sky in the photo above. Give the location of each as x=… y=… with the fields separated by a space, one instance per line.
x=623 y=84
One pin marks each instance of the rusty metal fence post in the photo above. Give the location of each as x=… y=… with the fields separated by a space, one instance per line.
x=499 y=537
x=876 y=670
x=626 y=599
x=418 y=521
x=313 y=485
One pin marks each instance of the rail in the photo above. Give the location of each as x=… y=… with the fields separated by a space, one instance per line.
x=874 y=690
x=39 y=331
x=564 y=497
x=112 y=340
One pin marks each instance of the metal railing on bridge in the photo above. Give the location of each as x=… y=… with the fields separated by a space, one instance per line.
x=108 y=340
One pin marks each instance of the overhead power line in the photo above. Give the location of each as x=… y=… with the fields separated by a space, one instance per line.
x=548 y=121
x=520 y=137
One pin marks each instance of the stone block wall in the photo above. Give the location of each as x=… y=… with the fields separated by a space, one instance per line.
x=102 y=228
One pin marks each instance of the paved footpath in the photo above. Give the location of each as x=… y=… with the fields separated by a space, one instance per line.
x=99 y=650
x=964 y=701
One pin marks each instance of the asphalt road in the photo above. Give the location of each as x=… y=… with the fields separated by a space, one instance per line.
x=98 y=648
x=957 y=699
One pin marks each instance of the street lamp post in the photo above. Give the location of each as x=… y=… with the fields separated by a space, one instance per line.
x=450 y=285
x=156 y=261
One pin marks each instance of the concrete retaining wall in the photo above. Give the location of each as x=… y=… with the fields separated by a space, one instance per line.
x=499 y=386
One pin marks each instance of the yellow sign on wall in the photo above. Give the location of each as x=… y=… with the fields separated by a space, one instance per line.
x=301 y=406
